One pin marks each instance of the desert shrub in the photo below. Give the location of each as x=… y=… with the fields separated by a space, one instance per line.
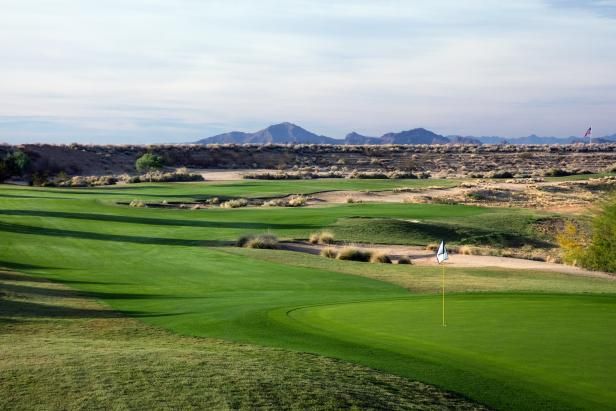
x=322 y=237
x=296 y=201
x=601 y=251
x=329 y=252
x=557 y=172
x=235 y=203
x=137 y=204
x=501 y=174
x=160 y=177
x=380 y=258
x=148 y=162
x=404 y=260
x=572 y=242
x=88 y=181
x=243 y=240
x=354 y=254
x=263 y=241
x=275 y=202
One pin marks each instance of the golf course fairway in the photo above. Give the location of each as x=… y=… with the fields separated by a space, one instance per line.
x=529 y=340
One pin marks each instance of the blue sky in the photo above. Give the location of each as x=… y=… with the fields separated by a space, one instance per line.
x=146 y=71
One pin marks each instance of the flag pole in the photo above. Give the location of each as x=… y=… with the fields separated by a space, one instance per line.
x=443 y=286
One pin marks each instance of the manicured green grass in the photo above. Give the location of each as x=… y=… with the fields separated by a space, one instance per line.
x=172 y=269
x=427 y=279
x=492 y=344
x=60 y=349
x=245 y=188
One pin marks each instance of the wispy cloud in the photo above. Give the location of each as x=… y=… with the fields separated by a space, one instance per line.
x=167 y=70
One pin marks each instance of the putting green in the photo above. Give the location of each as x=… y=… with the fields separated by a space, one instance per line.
x=556 y=346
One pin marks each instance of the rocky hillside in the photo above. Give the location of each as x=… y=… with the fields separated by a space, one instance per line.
x=450 y=159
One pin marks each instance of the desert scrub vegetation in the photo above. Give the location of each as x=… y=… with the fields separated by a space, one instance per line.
x=594 y=249
x=261 y=241
x=157 y=176
x=137 y=204
x=322 y=237
x=354 y=254
x=87 y=181
x=292 y=201
x=105 y=180
x=380 y=258
x=329 y=252
x=235 y=203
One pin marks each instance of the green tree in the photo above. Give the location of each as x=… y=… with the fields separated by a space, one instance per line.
x=18 y=161
x=149 y=162
x=13 y=164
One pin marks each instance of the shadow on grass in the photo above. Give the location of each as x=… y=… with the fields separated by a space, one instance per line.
x=25 y=309
x=85 y=235
x=69 y=293
x=154 y=221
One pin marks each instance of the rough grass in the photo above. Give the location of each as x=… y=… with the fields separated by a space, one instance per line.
x=62 y=350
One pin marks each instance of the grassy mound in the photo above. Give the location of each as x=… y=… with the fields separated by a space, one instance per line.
x=398 y=231
x=69 y=344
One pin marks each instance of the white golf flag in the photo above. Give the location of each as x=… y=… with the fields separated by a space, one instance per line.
x=441 y=254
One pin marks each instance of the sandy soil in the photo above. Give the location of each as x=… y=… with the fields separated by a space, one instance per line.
x=421 y=256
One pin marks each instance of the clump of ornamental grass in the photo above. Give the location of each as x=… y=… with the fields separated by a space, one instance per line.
x=380 y=258
x=322 y=237
x=354 y=254
x=329 y=252
x=260 y=241
x=137 y=204
x=235 y=203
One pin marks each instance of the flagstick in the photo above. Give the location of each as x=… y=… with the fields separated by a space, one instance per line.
x=444 y=325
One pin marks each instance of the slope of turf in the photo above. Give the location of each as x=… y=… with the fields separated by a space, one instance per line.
x=492 y=343
x=167 y=267
x=60 y=349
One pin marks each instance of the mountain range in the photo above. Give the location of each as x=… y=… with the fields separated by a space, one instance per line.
x=288 y=133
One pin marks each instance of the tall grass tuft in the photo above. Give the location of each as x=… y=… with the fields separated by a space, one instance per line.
x=354 y=254
x=380 y=258
x=329 y=252
x=322 y=237
x=262 y=241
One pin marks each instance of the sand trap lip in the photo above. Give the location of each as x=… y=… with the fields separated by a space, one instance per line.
x=423 y=257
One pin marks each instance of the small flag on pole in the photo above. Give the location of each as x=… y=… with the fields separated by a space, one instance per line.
x=588 y=132
x=441 y=254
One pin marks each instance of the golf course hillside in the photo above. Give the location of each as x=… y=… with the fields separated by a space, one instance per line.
x=138 y=296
